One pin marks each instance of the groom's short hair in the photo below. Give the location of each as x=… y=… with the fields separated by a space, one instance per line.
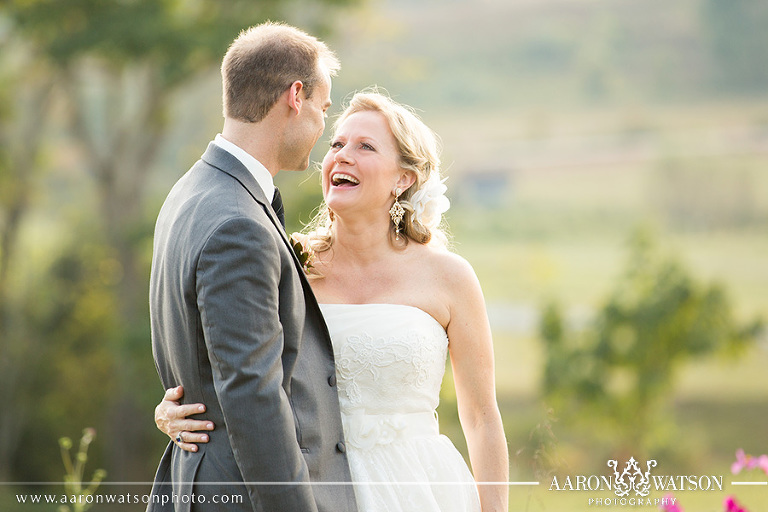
x=264 y=61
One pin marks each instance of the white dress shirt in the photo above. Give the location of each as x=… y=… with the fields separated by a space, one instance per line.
x=262 y=175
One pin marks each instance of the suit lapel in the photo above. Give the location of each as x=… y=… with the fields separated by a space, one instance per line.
x=226 y=162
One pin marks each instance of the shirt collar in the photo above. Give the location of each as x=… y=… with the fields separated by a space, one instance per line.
x=262 y=175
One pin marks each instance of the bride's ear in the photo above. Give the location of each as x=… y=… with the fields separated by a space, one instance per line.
x=406 y=180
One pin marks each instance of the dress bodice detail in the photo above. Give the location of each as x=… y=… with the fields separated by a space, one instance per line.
x=390 y=362
x=390 y=358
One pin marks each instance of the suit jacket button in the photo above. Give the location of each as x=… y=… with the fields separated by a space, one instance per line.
x=332 y=380
x=341 y=448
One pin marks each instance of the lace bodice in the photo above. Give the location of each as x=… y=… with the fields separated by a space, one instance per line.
x=390 y=358
x=390 y=362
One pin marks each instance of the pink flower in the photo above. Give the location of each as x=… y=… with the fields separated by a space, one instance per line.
x=762 y=463
x=669 y=504
x=731 y=505
x=743 y=461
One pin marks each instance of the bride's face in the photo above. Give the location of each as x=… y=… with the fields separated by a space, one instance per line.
x=361 y=168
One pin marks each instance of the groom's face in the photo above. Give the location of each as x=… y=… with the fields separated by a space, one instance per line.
x=310 y=122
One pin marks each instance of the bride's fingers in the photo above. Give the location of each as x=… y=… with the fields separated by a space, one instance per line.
x=182 y=411
x=171 y=418
x=191 y=426
x=194 y=437
x=174 y=394
x=186 y=440
x=187 y=447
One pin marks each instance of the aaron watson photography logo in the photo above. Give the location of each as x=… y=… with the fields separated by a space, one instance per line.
x=633 y=484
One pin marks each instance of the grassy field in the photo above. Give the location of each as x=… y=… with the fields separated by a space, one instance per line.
x=580 y=269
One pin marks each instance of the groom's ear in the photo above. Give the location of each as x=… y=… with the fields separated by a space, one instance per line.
x=295 y=96
x=406 y=180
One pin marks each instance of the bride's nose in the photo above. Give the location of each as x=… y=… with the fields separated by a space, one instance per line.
x=343 y=156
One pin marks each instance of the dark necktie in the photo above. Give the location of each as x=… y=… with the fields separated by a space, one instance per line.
x=277 y=205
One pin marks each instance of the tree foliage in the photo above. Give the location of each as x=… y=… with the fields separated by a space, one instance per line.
x=179 y=37
x=25 y=96
x=621 y=368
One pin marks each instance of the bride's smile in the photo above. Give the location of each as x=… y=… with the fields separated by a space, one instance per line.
x=341 y=179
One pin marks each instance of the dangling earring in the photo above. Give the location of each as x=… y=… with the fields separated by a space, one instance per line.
x=330 y=214
x=396 y=212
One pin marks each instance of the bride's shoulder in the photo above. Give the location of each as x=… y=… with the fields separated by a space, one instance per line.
x=448 y=266
x=449 y=281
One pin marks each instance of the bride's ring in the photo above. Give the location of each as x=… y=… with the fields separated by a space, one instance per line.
x=178 y=438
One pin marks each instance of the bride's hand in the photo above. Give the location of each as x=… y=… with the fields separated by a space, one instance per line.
x=171 y=418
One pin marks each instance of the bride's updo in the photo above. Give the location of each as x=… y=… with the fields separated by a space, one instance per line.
x=424 y=202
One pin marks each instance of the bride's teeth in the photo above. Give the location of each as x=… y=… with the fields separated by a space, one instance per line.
x=338 y=178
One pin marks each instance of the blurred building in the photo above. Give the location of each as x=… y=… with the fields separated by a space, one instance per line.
x=490 y=188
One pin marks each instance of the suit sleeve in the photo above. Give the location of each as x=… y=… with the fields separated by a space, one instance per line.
x=237 y=283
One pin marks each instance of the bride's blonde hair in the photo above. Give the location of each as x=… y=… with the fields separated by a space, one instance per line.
x=419 y=150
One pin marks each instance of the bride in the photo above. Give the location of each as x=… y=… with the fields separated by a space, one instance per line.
x=396 y=303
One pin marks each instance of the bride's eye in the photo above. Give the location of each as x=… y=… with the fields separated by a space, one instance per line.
x=367 y=146
x=336 y=144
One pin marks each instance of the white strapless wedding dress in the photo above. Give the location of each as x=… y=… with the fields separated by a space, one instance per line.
x=390 y=361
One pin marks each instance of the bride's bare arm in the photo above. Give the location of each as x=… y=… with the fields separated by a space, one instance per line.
x=171 y=418
x=471 y=350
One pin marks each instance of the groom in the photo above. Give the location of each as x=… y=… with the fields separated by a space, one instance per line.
x=233 y=318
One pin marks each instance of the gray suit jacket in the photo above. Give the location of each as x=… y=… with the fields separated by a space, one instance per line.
x=235 y=322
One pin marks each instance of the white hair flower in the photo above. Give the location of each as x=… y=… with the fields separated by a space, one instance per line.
x=429 y=202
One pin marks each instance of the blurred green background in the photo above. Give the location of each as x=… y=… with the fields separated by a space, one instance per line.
x=608 y=171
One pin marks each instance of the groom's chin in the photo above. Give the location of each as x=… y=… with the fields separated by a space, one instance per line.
x=299 y=168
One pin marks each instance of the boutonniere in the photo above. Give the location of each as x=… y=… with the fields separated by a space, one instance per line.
x=304 y=252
